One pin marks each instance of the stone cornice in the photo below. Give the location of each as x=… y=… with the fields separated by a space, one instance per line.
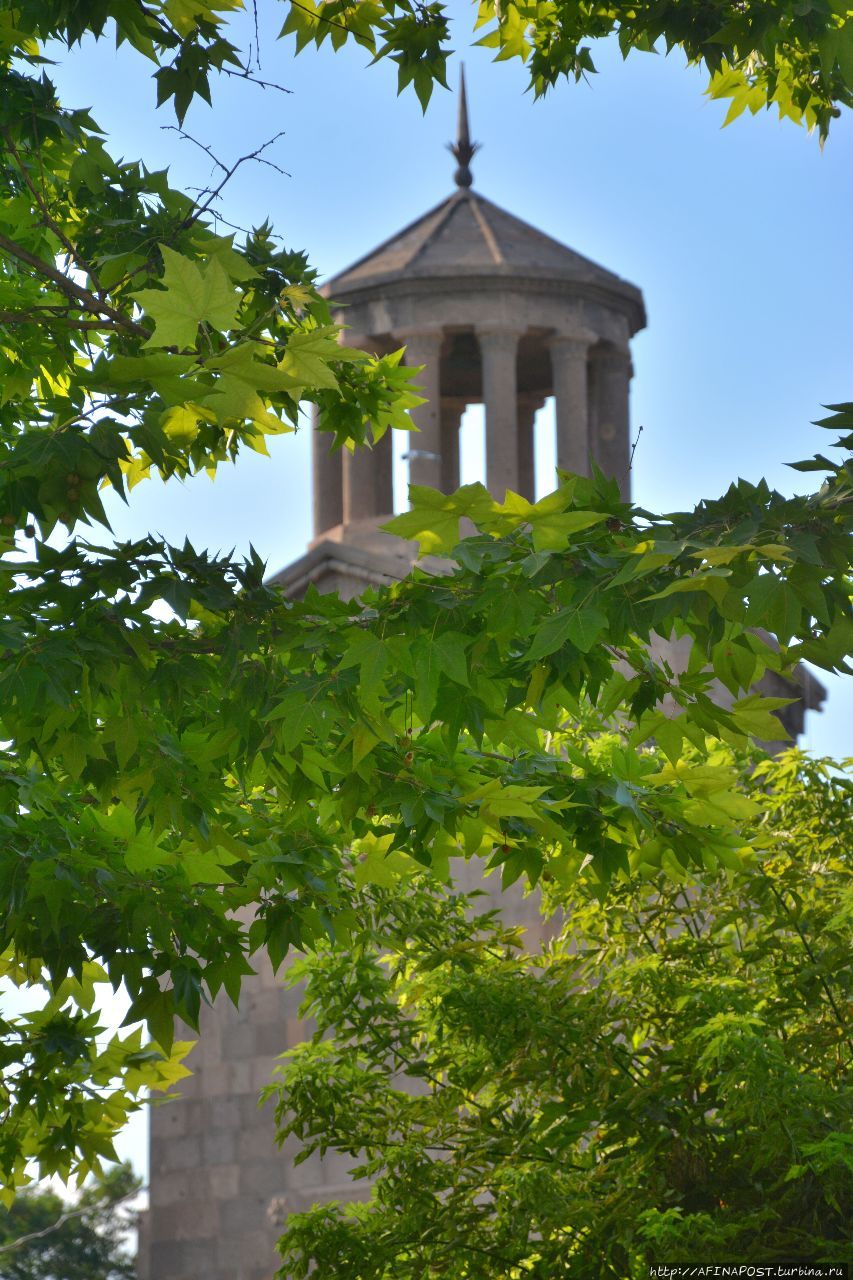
x=625 y=299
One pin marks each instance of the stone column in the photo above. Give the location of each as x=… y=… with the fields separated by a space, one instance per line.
x=366 y=471
x=423 y=347
x=527 y=408
x=499 y=349
x=327 y=477
x=451 y=417
x=383 y=475
x=367 y=481
x=569 y=357
x=612 y=443
x=358 y=485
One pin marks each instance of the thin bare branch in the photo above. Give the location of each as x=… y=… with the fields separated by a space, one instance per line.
x=247 y=75
x=634 y=447
x=188 y=137
x=68 y=1216
x=257 y=34
x=229 y=171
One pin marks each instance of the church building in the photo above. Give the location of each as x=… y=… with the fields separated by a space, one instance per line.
x=499 y=313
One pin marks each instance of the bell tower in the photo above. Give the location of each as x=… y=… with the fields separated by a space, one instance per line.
x=499 y=313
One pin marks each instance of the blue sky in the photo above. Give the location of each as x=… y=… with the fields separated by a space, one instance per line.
x=740 y=239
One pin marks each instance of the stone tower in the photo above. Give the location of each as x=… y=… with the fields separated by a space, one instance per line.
x=498 y=313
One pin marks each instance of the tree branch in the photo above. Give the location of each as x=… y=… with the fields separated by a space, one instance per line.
x=30 y=317
x=839 y=1017
x=67 y=245
x=229 y=171
x=68 y=1216
x=245 y=74
x=84 y=297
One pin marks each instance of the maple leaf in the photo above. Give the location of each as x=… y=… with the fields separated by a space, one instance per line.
x=241 y=378
x=308 y=355
x=193 y=293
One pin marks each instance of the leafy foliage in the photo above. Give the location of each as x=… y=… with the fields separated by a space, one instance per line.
x=664 y=1079
x=68 y=1086
x=134 y=337
x=784 y=54
x=43 y=1237
x=225 y=758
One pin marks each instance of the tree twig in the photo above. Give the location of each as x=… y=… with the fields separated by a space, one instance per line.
x=188 y=137
x=839 y=1017
x=247 y=75
x=68 y=1216
x=229 y=171
x=634 y=448
x=257 y=34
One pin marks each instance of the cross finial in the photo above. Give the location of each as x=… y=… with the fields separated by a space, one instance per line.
x=463 y=149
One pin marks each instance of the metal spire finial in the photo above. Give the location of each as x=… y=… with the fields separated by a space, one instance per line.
x=463 y=149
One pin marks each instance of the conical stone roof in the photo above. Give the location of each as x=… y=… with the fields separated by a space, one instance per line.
x=468 y=236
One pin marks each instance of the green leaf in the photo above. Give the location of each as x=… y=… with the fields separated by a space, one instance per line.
x=586 y=626
x=193 y=294
x=144 y=852
x=554 y=531
x=713 y=582
x=363 y=742
x=449 y=649
x=552 y=635
x=581 y=624
x=434 y=517
x=379 y=866
x=242 y=376
x=753 y=716
x=309 y=355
